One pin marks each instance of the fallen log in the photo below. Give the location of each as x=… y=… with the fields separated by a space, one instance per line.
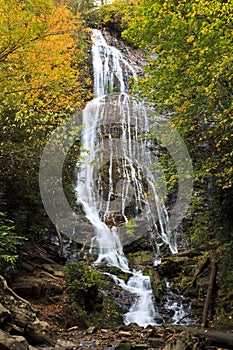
x=216 y=338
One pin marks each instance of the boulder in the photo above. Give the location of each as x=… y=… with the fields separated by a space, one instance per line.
x=12 y=342
x=39 y=332
x=29 y=287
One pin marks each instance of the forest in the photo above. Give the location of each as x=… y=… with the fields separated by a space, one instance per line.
x=46 y=76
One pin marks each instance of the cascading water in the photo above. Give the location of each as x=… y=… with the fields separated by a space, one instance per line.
x=115 y=189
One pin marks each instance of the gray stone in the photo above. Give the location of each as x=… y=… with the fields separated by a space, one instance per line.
x=91 y=330
x=21 y=340
x=58 y=273
x=54 y=269
x=67 y=344
x=125 y=333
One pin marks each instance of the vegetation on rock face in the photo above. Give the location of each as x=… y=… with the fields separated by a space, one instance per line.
x=116 y=16
x=190 y=74
x=88 y=305
x=83 y=283
x=9 y=243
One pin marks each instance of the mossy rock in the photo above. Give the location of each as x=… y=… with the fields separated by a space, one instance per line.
x=157 y=285
x=140 y=259
x=117 y=272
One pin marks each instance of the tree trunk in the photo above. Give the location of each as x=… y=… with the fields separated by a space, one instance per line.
x=206 y=307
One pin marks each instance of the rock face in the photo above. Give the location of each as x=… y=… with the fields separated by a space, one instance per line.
x=135 y=57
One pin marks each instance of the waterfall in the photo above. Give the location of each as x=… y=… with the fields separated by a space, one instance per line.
x=116 y=180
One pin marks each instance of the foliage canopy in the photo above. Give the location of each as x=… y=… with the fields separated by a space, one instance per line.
x=190 y=74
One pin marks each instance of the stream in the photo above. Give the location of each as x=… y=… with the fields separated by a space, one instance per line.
x=120 y=185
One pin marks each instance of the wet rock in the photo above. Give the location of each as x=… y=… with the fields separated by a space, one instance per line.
x=12 y=343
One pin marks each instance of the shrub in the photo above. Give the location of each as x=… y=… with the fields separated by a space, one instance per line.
x=9 y=244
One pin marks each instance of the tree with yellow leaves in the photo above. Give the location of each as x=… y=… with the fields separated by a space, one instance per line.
x=44 y=76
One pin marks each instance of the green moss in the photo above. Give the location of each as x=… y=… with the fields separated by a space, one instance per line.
x=141 y=258
x=119 y=273
x=89 y=305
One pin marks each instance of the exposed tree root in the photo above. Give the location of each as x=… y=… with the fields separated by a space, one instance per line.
x=206 y=307
x=11 y=292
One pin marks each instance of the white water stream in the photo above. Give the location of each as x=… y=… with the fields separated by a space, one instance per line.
x=116 y=186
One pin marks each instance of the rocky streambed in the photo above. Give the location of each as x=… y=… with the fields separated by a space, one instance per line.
x=35 y=312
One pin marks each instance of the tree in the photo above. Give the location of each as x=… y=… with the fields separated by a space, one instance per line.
x=43 y=78
x=189 y=79
x=190 y=74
